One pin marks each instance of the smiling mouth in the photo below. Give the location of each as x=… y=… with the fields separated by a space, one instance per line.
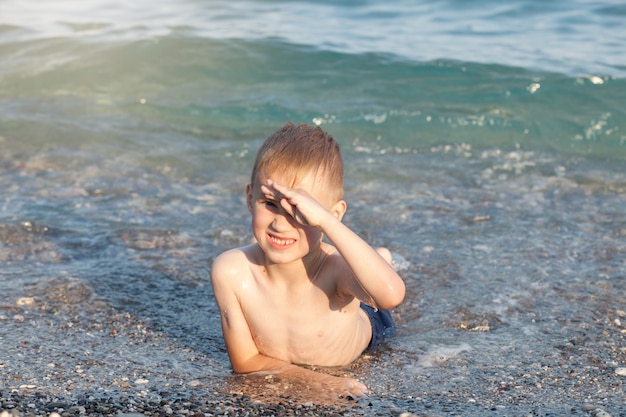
x=280 y=243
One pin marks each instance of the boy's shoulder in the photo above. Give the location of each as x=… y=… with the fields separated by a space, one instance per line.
x=234 y=262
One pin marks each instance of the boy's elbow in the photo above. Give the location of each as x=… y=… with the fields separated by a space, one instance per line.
x=399 y=298
x=395 y=297
x=391 y=302
x=242 y=366
x=238 y=369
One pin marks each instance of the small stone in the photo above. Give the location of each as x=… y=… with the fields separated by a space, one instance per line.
x=587 y=407
x=57 y=405
x=621 y=371
x=77 y=409
x=25 y=301
x=141 y=381
x=18 y=318
x=195 y=383
x=598 y=412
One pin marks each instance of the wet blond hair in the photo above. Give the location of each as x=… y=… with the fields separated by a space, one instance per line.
x=296 y=150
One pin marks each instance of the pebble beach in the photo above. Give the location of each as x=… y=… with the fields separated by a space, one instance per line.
x=94 y=361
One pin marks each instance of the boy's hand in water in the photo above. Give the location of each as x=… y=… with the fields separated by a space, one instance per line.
x=338 y=387
x=307 y=385
x=299 y=204
x=354 y=390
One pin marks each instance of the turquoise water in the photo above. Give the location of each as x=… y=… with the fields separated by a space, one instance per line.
x=484 y=143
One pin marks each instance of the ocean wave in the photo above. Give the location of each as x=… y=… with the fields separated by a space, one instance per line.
x=572 y=37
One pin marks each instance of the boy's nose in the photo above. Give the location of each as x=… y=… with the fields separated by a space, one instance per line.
x=281 y=222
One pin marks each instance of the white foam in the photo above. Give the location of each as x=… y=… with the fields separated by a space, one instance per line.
x=439 y=355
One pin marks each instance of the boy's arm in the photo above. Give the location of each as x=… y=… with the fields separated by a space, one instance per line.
x=226 y=273
x=370 y=267
x=374 y=273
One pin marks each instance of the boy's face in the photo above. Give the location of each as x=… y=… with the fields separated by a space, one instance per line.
x=280 y=236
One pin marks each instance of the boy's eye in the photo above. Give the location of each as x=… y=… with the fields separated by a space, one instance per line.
x=270 y=203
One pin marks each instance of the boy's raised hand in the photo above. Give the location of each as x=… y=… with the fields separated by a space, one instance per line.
x=299 y=204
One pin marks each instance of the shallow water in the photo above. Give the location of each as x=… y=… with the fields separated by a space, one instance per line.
x=491 y=167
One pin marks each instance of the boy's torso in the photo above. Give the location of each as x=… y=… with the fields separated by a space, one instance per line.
x=309 y=323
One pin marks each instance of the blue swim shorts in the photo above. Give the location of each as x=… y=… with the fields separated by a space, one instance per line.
x=382 y=324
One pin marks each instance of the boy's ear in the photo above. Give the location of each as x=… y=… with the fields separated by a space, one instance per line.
x=249 y=197
x=339 y=209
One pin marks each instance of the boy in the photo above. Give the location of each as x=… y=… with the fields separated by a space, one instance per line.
x=289 y=298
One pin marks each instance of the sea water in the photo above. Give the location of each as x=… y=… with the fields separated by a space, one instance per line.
x=484 y=143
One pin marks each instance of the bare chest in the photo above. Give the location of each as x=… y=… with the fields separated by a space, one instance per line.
x=308 y=326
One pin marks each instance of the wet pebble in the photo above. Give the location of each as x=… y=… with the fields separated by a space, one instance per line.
x=598 y=412
x=56 y=405
x=25 y=301
x=195 y=383
x=621 y=371
x=77 y=409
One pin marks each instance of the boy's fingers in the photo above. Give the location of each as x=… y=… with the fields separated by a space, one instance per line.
x=267 y=191
x=276 y=190
x=287 y=207
x=357 y=389
x=293 y=211
x=276 y=186
x=281 y=190
x=354 y=394
x=275 y=194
